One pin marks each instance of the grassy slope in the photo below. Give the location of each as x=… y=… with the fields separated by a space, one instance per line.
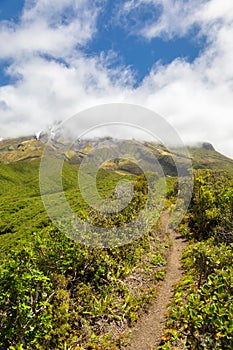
x=102 y=292
x=21 y=208
x=22 y=211
x=210 y=159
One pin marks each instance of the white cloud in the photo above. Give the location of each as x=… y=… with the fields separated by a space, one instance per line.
x=52 y=91
x=54 y=87
x=197 y=97
x=175 y=18
x=215 y=9
x=49 y=27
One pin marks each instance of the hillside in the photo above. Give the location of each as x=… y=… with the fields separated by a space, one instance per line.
x=55 y=293
x=61 y=294
x=206 y=157
x=203 y=156
x=21 y=148
x=21 y=207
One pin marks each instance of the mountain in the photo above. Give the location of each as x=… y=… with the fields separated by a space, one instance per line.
x=202 y=156
x=21 y=148
x=206 y=157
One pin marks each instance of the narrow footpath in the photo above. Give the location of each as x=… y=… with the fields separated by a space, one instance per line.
x=146 y=335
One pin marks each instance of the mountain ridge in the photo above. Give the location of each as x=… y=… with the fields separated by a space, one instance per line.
x=202 y=156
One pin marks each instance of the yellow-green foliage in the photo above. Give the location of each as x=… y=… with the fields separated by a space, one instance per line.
x=202 y=310
x=58 y=294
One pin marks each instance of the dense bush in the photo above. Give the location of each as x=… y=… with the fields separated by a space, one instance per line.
x=211 y=208
x=201 y=316
x=57 y=294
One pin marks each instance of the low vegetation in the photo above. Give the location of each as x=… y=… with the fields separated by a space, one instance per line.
x=58 y=294
x=201 y=315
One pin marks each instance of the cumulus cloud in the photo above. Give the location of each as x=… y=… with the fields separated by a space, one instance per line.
x=196 y=97
x=51 y=90
x=174 y=18
x=49 y=27
x=54 y=79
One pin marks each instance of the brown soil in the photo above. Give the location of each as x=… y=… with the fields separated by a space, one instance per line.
x=147 y=333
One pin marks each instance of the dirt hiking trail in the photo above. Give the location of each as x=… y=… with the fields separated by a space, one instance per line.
x=146 y=334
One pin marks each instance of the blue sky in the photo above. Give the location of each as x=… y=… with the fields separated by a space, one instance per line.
x=11 y=9
x=141 y=55
x=132 y=51
x=172 y=56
